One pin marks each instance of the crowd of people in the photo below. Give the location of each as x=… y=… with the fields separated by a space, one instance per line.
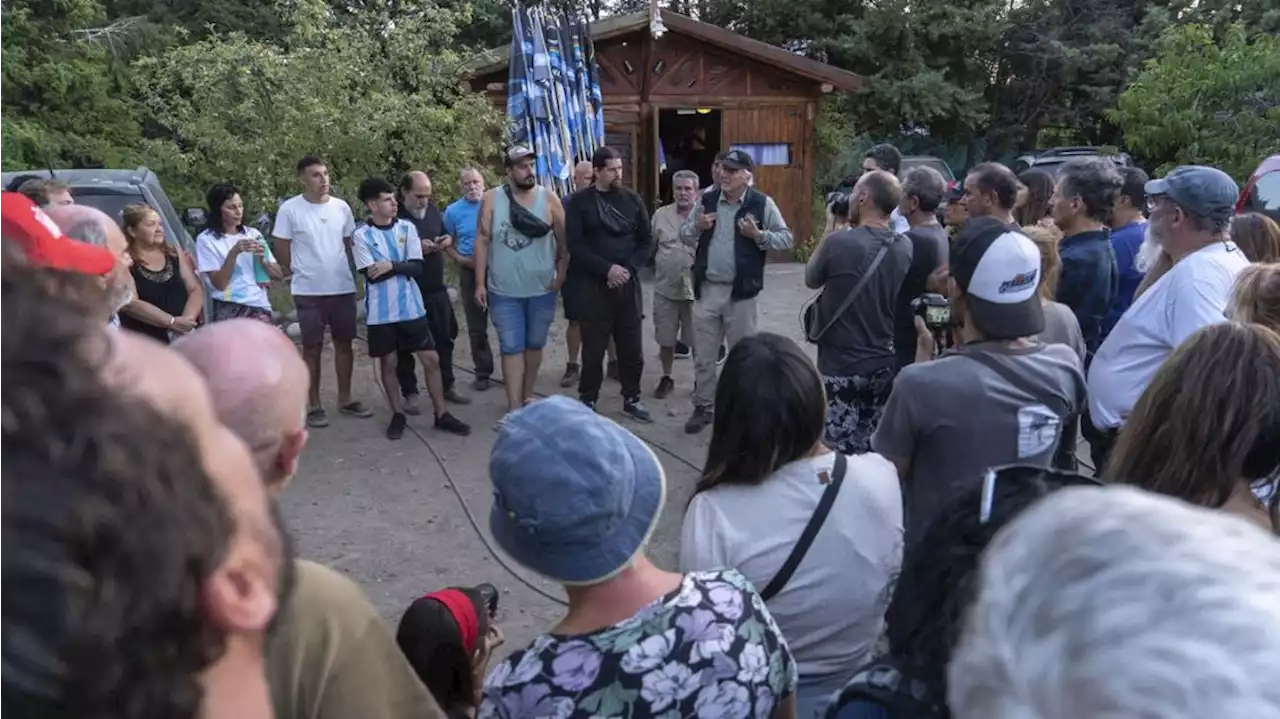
x=899 y=530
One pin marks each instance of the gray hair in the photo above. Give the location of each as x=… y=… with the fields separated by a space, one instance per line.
x=689 y=175
x=91 y=230
x=926 y=185
x=1114 y=602
x=1095 y=181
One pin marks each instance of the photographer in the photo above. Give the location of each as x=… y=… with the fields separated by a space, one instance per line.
x=859 y=271
x=923 y=189
x=1002 y=397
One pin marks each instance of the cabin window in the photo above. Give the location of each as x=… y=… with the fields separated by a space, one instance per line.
x=767 y=154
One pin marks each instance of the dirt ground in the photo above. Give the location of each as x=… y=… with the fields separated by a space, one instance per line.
x=386 y=513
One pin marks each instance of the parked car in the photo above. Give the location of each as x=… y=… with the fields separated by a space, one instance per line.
x=112 y=190
x=1052 y=160
x=1262 y=192
x=936 y=163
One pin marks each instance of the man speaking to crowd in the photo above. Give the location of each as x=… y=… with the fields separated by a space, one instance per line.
x=608 y=235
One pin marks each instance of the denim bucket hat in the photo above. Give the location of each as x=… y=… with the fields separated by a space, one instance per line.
x=575 y=496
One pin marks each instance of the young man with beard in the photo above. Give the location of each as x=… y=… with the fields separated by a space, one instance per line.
x=388 y=251
x=1191 y=208
x=460 y=220
x=330 y=655
x=417 y=209
x=521 y=260
x=584 y=176
x=608 y=233
x=859 y=271
x=731 y=234
x=673 y=277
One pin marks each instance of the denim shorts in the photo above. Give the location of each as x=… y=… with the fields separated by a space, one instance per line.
x=522 y=322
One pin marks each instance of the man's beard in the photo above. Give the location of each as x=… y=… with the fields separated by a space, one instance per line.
x=1150 y=250
x=118 y=295
x=526 y=183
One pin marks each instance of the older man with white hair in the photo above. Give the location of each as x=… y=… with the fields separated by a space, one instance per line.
x=91 y=225
x=330 y=655
x=1112 y=602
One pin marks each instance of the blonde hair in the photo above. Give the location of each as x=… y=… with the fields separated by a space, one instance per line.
x=1257 y=235
x=131 y=217
x=1050 y=261
x=1256 y=297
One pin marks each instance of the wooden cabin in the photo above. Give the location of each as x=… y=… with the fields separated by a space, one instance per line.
x=700 y=89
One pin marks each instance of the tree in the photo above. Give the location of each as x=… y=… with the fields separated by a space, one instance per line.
x=373 y=103
x=1201 y=101
x=63 y=106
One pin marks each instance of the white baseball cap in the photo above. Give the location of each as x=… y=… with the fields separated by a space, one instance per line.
x=998 y=268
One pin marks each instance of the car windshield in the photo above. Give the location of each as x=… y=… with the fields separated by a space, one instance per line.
x=1266 y=193
x=113 y=203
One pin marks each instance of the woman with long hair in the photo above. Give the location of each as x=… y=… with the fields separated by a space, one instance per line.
x=1257 y=236
x=1032 y=205
x=448 y=637
x=1207 y=429
x=169 y=296
x=766 y=475
x=1060 y=323
x=235 y=258
x=1256 y=297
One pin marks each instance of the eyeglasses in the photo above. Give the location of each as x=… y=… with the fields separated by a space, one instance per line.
x=1042 y=478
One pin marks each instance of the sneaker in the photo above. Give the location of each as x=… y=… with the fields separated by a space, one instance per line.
x=683 y=351
x=356 y=409
x=395 y=430
x=699 y=421
x=451 y=395
x=589 y=404
x=636 y=410
x=411 y=406
x=480 y=384
x=611 y=370
x=317 y=418
x=724 y=355
x=665 y=386
x=448 y=423
x=571 y=374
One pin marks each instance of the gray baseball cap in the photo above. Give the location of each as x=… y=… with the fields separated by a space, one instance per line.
x=1203 y=191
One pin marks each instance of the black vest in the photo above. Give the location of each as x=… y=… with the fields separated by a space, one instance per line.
x=748 y=258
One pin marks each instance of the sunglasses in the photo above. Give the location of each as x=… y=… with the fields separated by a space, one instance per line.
x=1042 y=478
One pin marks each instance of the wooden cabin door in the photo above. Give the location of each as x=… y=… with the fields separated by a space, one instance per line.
x=776 y=138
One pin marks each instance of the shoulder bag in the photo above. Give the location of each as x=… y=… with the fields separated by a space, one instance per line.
x=810 y=530
x=809 y=314
x=525 y=222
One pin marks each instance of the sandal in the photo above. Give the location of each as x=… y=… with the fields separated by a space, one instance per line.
x=355 y=409
x=317 y=418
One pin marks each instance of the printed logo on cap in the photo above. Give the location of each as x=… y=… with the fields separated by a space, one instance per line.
x=1019 y=282
x=1009 y=271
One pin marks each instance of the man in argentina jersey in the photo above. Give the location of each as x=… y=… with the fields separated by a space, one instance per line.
x=388 y=252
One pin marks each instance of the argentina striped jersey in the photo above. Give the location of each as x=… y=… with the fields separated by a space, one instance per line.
x=398 y=298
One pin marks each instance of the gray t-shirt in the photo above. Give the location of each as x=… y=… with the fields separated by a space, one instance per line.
x=861 y=340
x=1061 y=327
x=953 y=418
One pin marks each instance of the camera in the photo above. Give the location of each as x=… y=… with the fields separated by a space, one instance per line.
x=934 y=309
x=489 y=594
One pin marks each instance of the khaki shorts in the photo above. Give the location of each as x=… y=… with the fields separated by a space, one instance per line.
x=672 y=319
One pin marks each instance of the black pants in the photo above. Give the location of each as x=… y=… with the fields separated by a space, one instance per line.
x=477 y=324
x=1101 y=442
x=606 y=314
x=444 y=329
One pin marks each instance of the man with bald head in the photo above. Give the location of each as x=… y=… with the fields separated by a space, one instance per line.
x=126 y=499
x=91 y=225
x=583 y=175
x=417 y=207
x=330 y=655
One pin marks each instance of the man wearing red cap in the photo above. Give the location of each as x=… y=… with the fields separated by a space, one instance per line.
x=42 y=243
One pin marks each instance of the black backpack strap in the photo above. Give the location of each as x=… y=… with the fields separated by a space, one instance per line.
x=810 y=531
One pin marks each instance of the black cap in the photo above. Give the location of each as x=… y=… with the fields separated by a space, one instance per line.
x=738 y=160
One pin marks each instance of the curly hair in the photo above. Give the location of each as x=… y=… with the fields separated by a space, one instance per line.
x=1095 y=181
x=107 y=539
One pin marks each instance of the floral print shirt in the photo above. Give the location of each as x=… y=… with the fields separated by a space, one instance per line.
x=709 y=649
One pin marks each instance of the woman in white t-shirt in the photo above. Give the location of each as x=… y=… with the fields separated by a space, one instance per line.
x=235 y=259
x=766 y=472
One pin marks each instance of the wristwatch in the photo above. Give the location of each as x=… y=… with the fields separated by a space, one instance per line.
x=172 y=319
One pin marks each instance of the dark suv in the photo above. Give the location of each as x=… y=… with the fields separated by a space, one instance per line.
x=1052 y=160
x=111 y=190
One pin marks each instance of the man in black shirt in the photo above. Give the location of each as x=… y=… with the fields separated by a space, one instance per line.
x=416 y=207
x=922 y=191
x=609 y=236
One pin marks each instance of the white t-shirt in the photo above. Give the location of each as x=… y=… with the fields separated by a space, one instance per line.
x=832 y=609
x=212 y=249
x=898 y=223
x=316 y=233
x=1191 y=295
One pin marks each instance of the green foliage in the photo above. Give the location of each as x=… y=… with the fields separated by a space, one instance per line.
x=1204 y=101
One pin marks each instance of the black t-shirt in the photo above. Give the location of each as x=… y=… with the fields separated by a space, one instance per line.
x=861 y=341
x=429 y=227
x=929 y=249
